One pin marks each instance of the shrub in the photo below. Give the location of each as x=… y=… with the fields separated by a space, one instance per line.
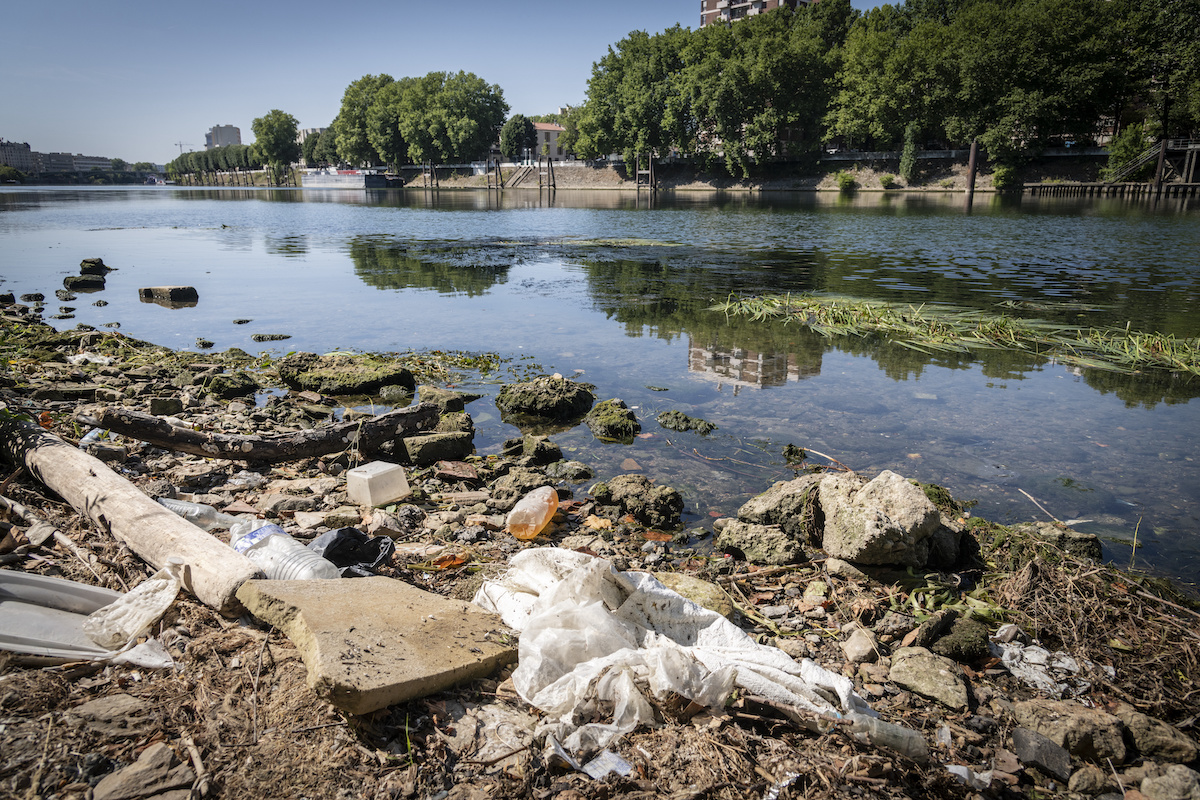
x=887 y=181
x=846 y=181
x=908 y=158
x=1004 y=178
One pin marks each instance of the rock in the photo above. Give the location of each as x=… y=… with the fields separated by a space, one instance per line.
x=1156 y=739
x=612 y=419
x=678 y=421
x=760 y=544
x=791 y=504
x=108 y=452
x=455 y=422
x=929 y=675
x=653 y=506
x=887 y=520
x=430 y=448
x=554 y=398
x=966 y=642
x=860 y=647
x=570 y=471
x=156 y=771
x=372 y=642
x=1084 y=732
x=844 y=569
x=117 y=716
x=1075 y=543
x=1036 y=750
x=166 y=406
x=700 y=592
x=532 y=450
x=228 y=385
x=519 y=481
x=931 y=629
x=83 y=283
x=945 y=545
x=172 y=294
x=94 y=266
x=1176 y=783
x=276 y=502
x=342 y=373
x=1091 y=780
x=448 y=402
x=894 y=624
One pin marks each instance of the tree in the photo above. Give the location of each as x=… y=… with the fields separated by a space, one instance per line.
x=446 y=118
x=353 y=140
x=118 y=164
x=383 y=122
x=308 y=148
x=144 y=166
x=326 y=150
x=517 y=136
x=11 y=174
x=275 y=140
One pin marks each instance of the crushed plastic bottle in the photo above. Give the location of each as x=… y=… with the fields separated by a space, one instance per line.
x=532 y=513
x=277 y=554
x=896 y=738
x=199 y=514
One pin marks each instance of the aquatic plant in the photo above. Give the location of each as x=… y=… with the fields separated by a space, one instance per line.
x=944 y=329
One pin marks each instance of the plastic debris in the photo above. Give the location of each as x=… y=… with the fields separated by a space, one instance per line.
x=119 y=623
x=353 y=552
x=593 y=637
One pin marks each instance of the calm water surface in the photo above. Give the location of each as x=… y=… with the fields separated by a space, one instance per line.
x=617 y=291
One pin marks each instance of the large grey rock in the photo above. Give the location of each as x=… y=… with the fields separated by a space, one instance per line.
x=887 y=520
x=372 y=642
x=1084 y=732
x=517 y=483
x=1156 y=739
x=761 y=544
x=533 y=450
x=655 y=506
x=553 y=398
x=793 y=505
x=157 y=770
x=446 y=400
x=342 y=373
x=929 y=675
x=1176 y=783
x=860 y=646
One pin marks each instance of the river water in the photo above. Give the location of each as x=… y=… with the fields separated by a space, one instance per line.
x=615 y=290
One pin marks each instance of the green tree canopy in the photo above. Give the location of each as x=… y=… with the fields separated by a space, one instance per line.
x=517 y=135
x=275 y=140
x=353 y=140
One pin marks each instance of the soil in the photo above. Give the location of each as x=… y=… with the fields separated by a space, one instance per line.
x=238 y=710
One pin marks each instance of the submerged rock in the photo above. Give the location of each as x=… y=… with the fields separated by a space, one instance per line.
x=678 y=421
x=612 y=419
x=553 y=398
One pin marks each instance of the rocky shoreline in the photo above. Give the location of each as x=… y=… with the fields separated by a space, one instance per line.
x=1022 y=665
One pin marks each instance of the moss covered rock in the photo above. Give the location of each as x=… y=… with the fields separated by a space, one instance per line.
x=552 y=398
x=678 y=421
x=343 y=373
x=612 y=419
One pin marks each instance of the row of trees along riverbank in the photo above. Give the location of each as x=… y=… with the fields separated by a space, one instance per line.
x=1015 y=75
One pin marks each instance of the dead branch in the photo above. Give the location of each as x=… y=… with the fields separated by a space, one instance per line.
x=369 y=435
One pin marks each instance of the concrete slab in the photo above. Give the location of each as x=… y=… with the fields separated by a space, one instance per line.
x=371 y=642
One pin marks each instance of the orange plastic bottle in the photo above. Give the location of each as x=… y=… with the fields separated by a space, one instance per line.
x=532 y=513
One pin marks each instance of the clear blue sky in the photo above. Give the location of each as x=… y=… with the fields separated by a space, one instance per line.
x=130 y=79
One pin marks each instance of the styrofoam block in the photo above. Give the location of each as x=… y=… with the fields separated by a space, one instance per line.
x=376 y=484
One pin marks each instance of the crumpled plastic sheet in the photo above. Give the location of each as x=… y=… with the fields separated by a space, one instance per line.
x=1053 y=674
x=594 y=640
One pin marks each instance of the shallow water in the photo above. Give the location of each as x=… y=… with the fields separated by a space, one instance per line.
x=616 y=289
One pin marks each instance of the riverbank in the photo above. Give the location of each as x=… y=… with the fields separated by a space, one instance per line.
x=238 y=712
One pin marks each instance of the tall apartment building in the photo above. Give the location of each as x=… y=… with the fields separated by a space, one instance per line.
x=221 y=135
x=18 y=156
x=731 y=10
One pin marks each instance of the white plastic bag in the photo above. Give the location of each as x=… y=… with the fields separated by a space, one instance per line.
x=593 y=640
x=120 y=622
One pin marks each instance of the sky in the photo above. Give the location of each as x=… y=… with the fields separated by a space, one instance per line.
x=134 y=79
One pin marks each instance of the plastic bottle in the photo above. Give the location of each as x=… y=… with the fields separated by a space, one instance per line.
x=532 y=513
x=896 y=738
x=204 y=516
x=277 y=554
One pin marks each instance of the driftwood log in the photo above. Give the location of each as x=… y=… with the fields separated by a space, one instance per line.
x=212 y=571
x=368 y=435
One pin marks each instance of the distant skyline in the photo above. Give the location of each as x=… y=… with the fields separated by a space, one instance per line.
x=132 y=79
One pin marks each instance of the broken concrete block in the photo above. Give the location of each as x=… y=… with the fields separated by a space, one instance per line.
x=372 y=642
x=376 y=484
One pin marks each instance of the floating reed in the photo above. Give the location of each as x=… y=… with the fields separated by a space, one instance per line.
x=945 y=329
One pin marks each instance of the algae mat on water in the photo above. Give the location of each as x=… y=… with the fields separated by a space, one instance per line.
x=947 y=329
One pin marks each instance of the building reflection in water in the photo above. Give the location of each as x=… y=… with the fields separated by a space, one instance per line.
x=749 y=368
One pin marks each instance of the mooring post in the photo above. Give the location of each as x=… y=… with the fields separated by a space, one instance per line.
x=972 y=165
x=1158 y=173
